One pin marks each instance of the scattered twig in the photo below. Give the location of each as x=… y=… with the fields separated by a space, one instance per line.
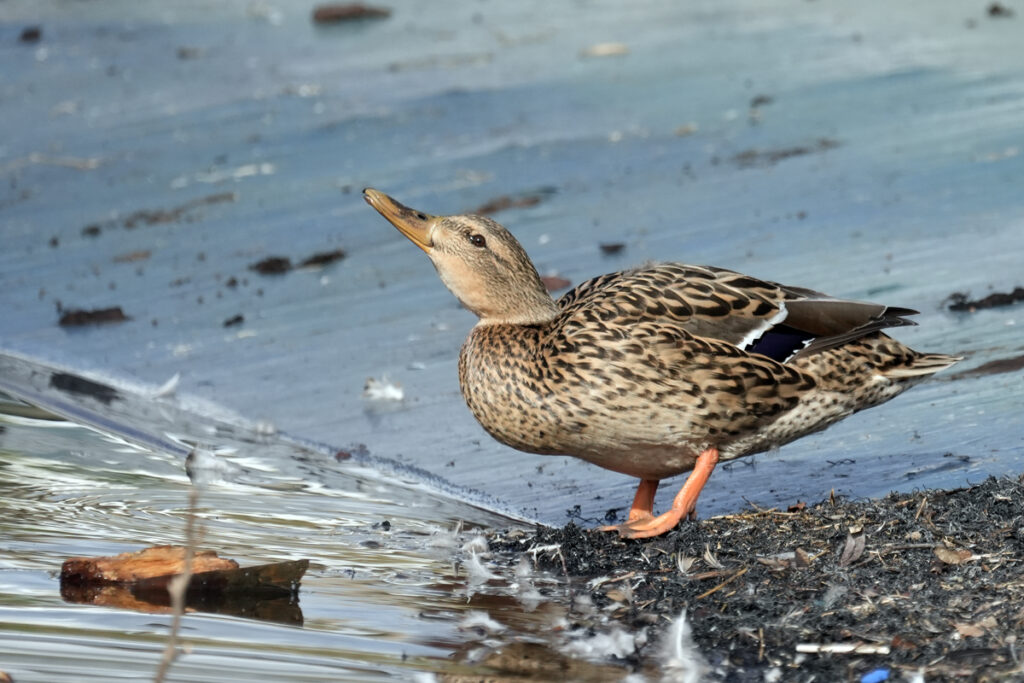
x=597 y=583
x=179 y=587
x=842 y=648
x=724 y=583
x=920 y=508
x=555 y=549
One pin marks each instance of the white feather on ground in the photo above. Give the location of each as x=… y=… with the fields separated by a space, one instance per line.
x=383 y=390
x=476 y=572
x=681 y=662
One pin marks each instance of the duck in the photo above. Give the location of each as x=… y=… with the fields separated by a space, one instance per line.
x=658 y=370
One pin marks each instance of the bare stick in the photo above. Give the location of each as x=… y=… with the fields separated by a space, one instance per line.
x=178 y=587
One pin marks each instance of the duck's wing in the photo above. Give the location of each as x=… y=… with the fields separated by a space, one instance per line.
x=756 y=316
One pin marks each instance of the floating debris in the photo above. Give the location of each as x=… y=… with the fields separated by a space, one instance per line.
x=959 y=301
x=155 y=562
x=140 y=581
x=505 y=202
x=97 y=316
x=770 y=157
x=998 y=10
x=336 y=14
x=323 y=258
x=272 y=265
x=278 y=265
x=993 y=367
x=157 y=216
x=174 y=214
x=31 y=34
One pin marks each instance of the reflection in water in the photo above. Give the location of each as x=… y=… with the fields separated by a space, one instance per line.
x=282 y=609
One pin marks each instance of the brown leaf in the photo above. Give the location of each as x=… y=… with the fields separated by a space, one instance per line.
x=801 y=558
x=853 y=548
x=969 y=630
x=800 y=505
x=901 y=643
x=774 y=562
x=952 y=556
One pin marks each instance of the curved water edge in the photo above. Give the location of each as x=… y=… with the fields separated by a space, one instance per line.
x=385 y=593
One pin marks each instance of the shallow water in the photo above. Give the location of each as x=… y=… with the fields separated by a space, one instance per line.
x=374 y=603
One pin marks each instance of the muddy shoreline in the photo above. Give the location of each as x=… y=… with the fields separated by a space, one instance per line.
x=928 y=583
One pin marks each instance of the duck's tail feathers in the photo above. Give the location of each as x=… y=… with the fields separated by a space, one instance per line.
x=923 y=365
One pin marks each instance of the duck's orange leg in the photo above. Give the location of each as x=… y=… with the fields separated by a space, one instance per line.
x=643 y=504
x=684 y=505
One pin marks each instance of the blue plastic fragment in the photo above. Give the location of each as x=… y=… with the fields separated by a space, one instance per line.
x=876 y=676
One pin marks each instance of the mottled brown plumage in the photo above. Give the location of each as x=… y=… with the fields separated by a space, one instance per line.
x=658 y=370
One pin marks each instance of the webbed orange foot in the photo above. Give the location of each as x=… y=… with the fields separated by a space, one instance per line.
x=684 y=505
x=642 y=508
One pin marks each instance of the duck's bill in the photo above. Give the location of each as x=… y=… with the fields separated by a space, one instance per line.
x=412 y=223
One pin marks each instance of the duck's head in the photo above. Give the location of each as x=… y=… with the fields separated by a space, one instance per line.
x=478 y=260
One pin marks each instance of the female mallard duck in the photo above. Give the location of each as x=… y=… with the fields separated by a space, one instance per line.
x=659 y=370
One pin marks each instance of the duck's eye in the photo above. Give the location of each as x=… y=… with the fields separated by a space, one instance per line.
x=477 y=240
x=422 y=216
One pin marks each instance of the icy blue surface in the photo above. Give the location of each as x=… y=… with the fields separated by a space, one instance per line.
x=884 y=162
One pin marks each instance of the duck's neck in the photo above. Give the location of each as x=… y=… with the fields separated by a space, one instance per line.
x=533 y=309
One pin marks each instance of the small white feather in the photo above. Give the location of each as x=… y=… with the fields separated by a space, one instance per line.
x=383 y=390
x=681 y=661
x=169 y=387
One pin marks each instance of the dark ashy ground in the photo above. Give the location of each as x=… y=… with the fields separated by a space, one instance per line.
x=928 y=583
